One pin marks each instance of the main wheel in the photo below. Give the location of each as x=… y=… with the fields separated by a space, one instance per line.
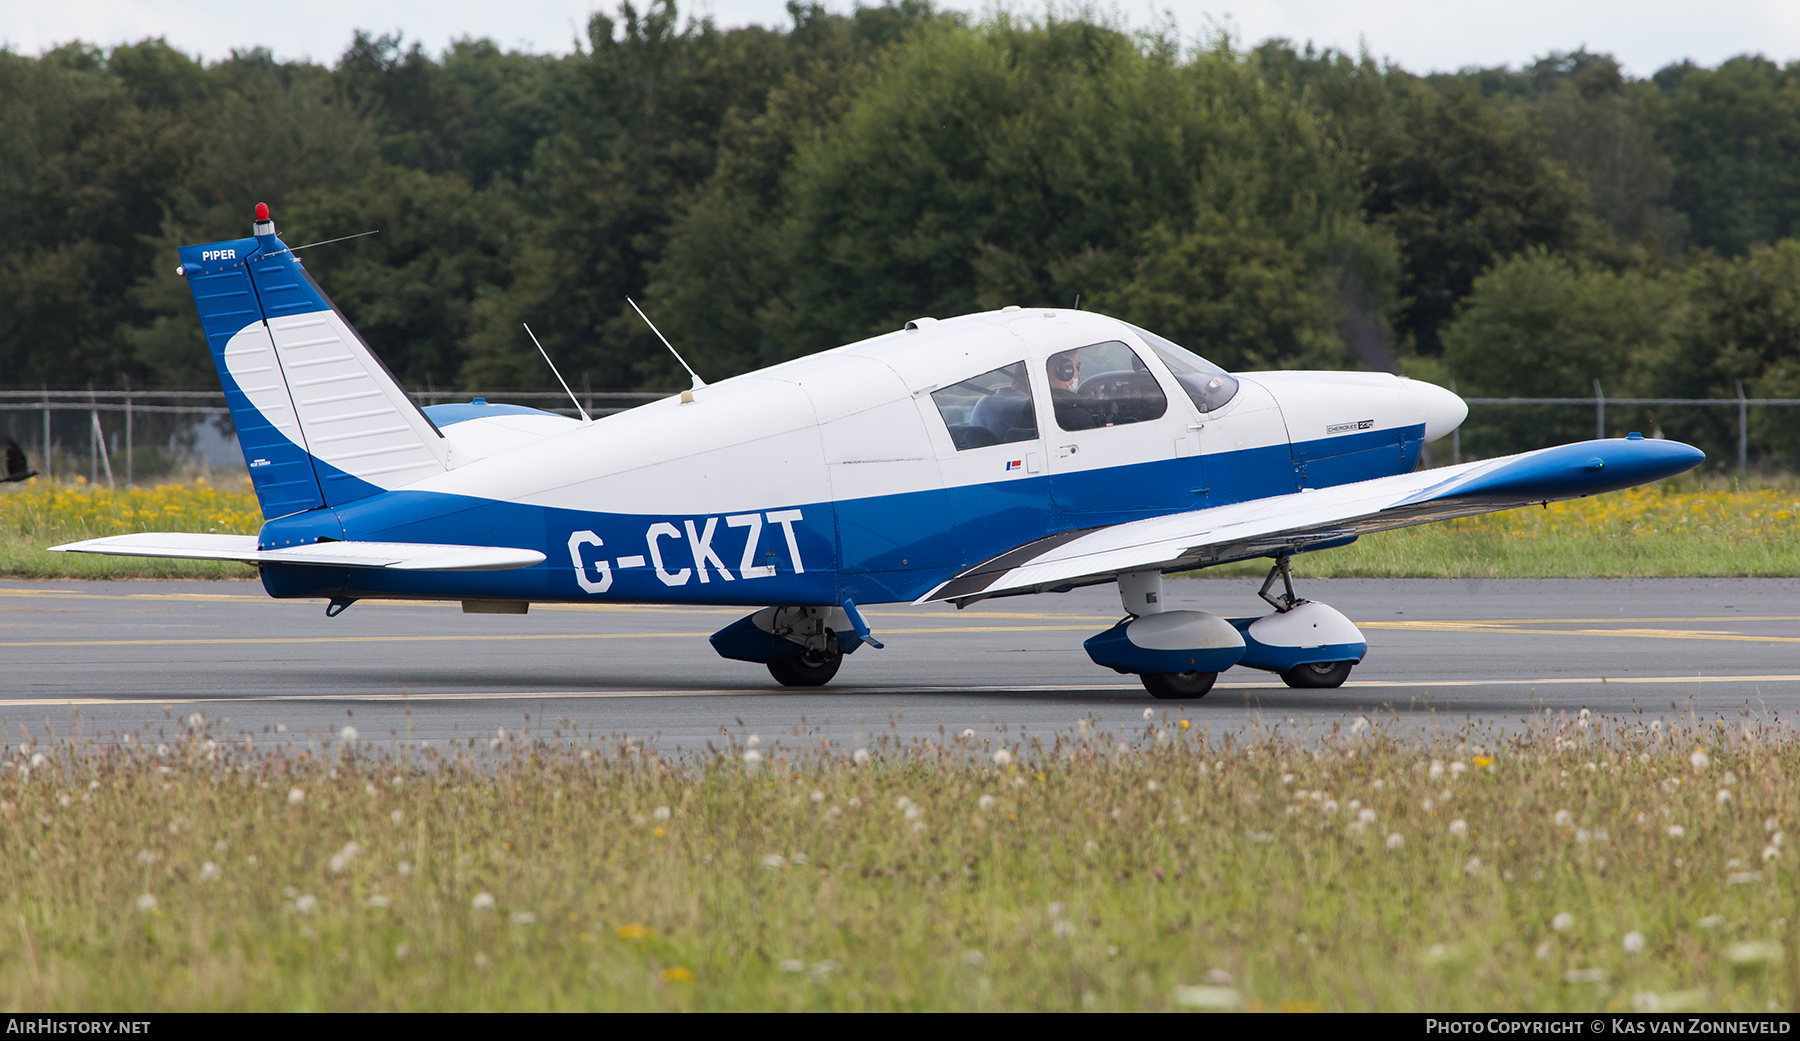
x=1318 y=675
x=807 y=670
x=1178 y=686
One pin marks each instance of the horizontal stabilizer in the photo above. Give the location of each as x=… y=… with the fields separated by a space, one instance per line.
x=398 y=556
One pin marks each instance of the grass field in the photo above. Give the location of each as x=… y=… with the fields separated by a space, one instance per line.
x=1684 y=527
x=1572 y=866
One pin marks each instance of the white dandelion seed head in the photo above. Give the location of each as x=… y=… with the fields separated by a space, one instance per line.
x=986 y=802
x=754 y=742
x=404 y=868
x=306 y=903
x=1330 y=806
x=1435 y=771
x=1655 y=727
x=1361 y=724
x=1472 y=866
x=1771 y=823
x=347 y=735
x=483 y=901
x=1563 y=819
x=1633 y=943
x=968 y=734
x=1778 y=839
x=817 y=796
x=296 y=796
x=1753 y=952
x=397 y=817
x=1675 y=831
x=146 y=903
x=662 y=813
x=1002 y=757
x=1458 y=768
x=913 y=813
x=1770 y=853
x=1723 y=796
x=862 y=757
x=1700 y=759
x=196 y=721
x=1365 y=816
x=209 y=872
x=342 y=858
x=1459 y=828
x=774 y=860
x=1563 y=922
x=752 y=757
x=1395 y=840
x=162 y=751
x=1427 y=805
x=1090 y=847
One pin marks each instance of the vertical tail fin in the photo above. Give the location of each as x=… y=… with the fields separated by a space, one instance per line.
x=320 y=419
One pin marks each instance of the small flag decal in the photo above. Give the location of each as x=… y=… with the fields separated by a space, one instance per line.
x=1016 y=464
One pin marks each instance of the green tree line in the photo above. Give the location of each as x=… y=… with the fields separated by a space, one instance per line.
x=769 y=192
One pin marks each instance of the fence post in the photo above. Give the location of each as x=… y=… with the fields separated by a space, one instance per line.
x=44 y=453
x=1455 y=436
x=128 y=466
x=1743 y=430
x=1599 y=412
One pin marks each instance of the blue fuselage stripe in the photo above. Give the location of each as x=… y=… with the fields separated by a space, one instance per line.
x=880 y=549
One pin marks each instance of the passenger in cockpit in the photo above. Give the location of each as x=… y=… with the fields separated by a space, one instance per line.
x=1007 y=410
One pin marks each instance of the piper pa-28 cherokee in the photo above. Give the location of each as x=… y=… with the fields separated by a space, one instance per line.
x=1018 y=451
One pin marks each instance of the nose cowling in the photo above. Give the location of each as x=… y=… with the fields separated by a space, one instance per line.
x=1443 y=410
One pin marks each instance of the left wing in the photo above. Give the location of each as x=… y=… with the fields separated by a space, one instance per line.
x=400 y=556
x=1317 y=519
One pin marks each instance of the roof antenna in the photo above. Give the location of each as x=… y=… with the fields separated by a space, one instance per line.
x=585 y=418
x=698 y=382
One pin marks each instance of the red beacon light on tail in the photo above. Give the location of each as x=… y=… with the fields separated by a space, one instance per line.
x=264 y=226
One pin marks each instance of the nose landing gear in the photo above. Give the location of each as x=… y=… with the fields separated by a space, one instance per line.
x=1178 y=655
x=1309 y=645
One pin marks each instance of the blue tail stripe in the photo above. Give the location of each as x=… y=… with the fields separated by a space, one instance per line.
x=281 y=471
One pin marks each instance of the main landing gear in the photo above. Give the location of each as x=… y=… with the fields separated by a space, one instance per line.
x=1178 y=655
x=802 y=646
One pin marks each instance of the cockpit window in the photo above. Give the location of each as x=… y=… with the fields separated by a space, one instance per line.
x=1207 y=384
x=994 y=408
x=1103 y=385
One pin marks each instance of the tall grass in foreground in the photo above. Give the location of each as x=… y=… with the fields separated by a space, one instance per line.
x=1568 y=866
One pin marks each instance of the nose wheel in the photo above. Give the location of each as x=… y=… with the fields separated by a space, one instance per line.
x=1322 y=675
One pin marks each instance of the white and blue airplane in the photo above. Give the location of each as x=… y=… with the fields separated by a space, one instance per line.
x=1018 y=451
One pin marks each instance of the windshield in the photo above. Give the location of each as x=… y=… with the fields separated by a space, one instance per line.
x=1208 y=385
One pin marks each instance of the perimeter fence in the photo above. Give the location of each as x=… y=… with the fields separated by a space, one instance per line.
x=122 y=435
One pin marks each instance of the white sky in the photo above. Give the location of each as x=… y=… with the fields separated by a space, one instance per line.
x=1421 y=35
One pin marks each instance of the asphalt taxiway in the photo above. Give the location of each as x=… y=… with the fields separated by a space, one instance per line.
x=100 y=659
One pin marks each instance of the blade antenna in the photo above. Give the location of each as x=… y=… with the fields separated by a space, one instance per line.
x=698 y=382
x=585 y=418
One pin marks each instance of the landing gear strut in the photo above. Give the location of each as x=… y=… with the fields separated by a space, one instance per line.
x=1285 y=601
